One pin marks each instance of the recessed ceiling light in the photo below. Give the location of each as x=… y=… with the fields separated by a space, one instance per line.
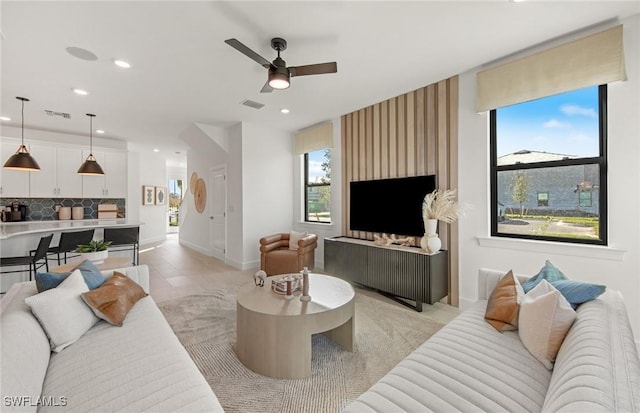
x=99 y=131
x=156 y=150
x=121 y=63
x=80 y=92
x=284 y=110
x=5 y=118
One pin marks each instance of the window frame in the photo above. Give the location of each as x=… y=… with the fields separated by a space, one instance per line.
x=600 y=160
x=308 y=185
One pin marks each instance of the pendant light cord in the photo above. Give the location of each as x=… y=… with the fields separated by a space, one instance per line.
x=23 y=123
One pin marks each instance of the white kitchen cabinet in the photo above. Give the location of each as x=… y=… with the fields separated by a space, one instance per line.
x=13 y=184
x=113 y=184
x=58 y=177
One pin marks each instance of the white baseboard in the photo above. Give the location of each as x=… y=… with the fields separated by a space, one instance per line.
x=159 y=238
x=242 y=265
x=195 y=247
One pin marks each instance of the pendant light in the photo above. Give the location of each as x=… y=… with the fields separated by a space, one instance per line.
x=90 y=165
x=22 y=159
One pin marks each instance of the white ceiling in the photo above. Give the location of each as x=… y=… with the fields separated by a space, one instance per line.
x=182 y=71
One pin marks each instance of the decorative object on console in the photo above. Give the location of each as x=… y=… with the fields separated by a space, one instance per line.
x=279 y=285
x=386 y=240
x=148 y=195
x=22 y=160
x=161 y=195
x=438 y=205
x=90 y=166
x=94 y=251
x=305 y=285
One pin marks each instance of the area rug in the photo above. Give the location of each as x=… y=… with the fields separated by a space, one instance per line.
x=385 y=334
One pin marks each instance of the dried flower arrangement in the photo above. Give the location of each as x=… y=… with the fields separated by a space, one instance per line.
x=441 y=205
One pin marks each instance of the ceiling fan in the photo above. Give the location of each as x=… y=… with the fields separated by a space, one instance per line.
x=279 y=74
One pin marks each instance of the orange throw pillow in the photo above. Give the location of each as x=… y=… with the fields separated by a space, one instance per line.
x=113 y=299
x=504 y=304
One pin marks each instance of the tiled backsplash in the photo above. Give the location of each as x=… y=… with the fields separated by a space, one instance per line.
x=44 y=209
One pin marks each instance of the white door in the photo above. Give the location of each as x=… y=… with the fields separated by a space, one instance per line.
x=217 y=212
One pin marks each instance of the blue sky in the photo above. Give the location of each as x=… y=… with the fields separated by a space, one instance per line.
x=315 y=165
x=565 y=123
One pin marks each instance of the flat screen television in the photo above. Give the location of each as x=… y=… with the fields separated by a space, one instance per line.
x=392 y=206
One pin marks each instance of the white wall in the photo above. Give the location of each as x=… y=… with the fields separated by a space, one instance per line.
x=235 y=244
x=203 y=153
x=321 y=230
x=616 y=265
x=152 y=171
x=267 y=187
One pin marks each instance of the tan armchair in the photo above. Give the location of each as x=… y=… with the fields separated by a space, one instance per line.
x=277 y=258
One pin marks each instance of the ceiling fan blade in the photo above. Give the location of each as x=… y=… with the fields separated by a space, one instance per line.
x=236 y=44
x=266 y=88
x=317 y=69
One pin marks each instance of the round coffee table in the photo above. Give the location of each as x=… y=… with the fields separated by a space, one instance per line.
x=274 y=334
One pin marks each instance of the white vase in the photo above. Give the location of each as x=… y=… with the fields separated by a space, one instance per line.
x=433 y=244
x=96 y=257
x=430 y=226
x=430 y=243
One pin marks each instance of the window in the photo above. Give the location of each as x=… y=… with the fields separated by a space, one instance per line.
x=317 y=186
x=543 y=199
x=548 y=168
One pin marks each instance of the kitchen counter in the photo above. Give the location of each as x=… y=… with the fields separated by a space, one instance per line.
x=13 y=229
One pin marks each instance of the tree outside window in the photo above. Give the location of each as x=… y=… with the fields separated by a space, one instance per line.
x=317 y=168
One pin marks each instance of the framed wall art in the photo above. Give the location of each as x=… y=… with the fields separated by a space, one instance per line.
x=148 y=195
x=161 y=195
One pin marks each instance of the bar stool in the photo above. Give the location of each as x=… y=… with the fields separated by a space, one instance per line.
x=69 y=241
x=32 y=260
x=124 y=239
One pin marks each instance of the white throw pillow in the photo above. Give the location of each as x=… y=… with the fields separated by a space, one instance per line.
x=545 y=318
x=62 y=313
x=294 y=237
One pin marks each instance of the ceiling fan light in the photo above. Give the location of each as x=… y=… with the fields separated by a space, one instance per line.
x=22 y=161
x=278 y=80
x=90 y=166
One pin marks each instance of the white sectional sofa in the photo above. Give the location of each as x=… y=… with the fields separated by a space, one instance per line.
x=139 y=367
x=469 y=366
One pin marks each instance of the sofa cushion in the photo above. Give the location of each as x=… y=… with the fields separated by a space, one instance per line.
x=91 y=274
x=113 y=299
x=62 y=313
x=294 y=237
x=466 y=366
x=548 y=272
x=504 y=304
x=545 y=318
x=577 y=292
x=48 y=280
x=139 y=367
x=597 y=368
x=25 y=348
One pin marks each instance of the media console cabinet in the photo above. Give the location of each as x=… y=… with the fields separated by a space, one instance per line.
x=397 y=271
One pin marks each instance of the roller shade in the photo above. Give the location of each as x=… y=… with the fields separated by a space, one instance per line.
x=593 y=60
x=313 y=139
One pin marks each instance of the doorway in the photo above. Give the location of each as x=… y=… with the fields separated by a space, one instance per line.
x=217 y=211
x=176 y=195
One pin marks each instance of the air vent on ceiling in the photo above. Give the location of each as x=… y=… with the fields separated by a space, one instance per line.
x=54 y=113
x=252 y=104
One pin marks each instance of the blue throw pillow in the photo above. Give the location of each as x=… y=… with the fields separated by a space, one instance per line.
x=92 y=276
x=548 y=272
x=577 y=292
x=48 y=280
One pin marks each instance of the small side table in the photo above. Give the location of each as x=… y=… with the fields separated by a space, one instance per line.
x=110 y=263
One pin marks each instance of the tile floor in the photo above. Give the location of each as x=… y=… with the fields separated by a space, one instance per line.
x=177 y=271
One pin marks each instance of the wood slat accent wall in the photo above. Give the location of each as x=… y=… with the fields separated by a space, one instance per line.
x=409 y=135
